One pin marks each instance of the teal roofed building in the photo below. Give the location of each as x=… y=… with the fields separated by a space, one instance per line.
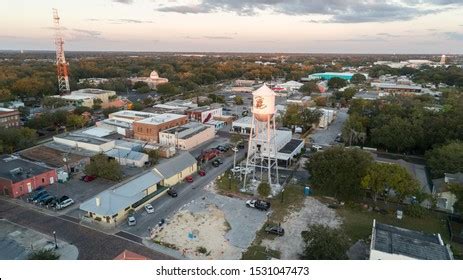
x=329 y=75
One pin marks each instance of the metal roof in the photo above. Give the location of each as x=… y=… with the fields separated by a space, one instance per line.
x=176 y=164
x=410 y=243
x=122 y=195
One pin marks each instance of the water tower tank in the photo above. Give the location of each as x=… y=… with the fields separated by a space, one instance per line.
x=263 y=106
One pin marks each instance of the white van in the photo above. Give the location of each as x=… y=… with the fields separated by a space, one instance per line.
x=65 y=203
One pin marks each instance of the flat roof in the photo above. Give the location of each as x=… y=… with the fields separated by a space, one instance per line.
x=393 y=85
x=98 y=131
x=291 y=146
x=125 y=153
x=16 y=169
x=49 y=156
x=121 y=195
x=83 y=138
x=162 y=118
x=410 y=243
x=130 y=113
x=187 y=130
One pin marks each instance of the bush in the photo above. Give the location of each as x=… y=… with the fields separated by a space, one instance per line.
x=201 y=250
x=264 y=189
x=43 y=254
x=415 y=210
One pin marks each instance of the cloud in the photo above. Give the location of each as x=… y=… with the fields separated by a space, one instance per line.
x=389 y=35
x=339 y=11
x=218 y=37
x=85 y=32
x=457 y=36
x=120 y=20
x=123 y=1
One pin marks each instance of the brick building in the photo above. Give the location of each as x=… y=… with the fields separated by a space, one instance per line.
x=204 y=114
x=9 y=117
x=148 y=129
x=19 y=177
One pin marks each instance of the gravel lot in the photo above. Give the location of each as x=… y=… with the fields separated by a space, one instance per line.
x=291 y=244
x=225 y=226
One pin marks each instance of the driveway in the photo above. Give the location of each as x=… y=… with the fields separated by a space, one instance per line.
x=326 y=137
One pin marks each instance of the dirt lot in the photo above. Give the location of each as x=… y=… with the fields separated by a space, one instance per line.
x=313 y=212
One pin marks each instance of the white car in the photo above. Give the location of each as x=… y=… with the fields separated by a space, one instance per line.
x=235 y=169
x=149 y=208
x=65 y=203
x=131 y=221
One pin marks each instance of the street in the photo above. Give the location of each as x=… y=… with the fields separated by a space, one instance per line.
x=166 y=206
x=92 y=244
x=326 y=137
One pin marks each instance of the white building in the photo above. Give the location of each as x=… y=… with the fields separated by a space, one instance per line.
x=87 y=96
x=291 y=85
x=394 y=243
x=242 y=125
x=187 y=136
x=153 y=80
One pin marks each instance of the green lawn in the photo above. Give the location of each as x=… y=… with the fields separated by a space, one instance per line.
x=357 y=224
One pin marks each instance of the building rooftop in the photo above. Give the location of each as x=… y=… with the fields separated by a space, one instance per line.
x=98 y=132
x=94 y=91
x=163 y=118
x=125 y=153
x=49 y=156
x=291 y=146
x=16 y=169
x=410 y=243
x=174 y=165
x=132 y=114
x=83 y=138
x=187 y=130
x=122 y=195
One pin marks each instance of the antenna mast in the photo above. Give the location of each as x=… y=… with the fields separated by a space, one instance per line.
x=61 y=64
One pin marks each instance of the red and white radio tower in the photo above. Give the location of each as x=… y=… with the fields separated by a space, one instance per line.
x=61 y=65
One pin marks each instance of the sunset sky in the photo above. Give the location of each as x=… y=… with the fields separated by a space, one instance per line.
x=311 y=26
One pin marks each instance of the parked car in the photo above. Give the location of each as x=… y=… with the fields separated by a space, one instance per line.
x=172 y=192
x=42 y=199
x=37 y=198
x=241 y=145
x=64 y=203
x=88 y=178
x=189 y=179
x=149 y=209
x=131 y=221
x=201 y=173
x=63 y=198
x=277 y=230
x=223 y=148
x=49 y=201
x=36 y=194
x=258 y=204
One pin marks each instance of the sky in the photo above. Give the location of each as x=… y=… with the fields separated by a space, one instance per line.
x=293 y=26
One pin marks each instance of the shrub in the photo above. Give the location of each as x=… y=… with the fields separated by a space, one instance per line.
x=201 y=250
x=415 y=210
x=43 y=254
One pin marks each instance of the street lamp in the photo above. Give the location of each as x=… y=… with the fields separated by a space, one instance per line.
x=56 y=243
x=282 y=195
x=234 y=157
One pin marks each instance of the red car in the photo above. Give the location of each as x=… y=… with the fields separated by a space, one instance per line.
x=88 y=178
x=189 y=179
x=202 y=173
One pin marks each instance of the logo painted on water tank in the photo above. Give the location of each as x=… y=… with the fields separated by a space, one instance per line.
x=259 y=103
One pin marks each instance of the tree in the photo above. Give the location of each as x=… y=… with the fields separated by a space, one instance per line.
x=43 y=254
x=102 y=166
x=358 y=79
x=457 y=190
x=398 y=135
x=82 y=109
x=264 y=189
x=238 y=100
x=153 y=156
x=309 y=117
x=339 y=171
x=5 y=95
x=53 y=102
x=337 y=83
x=97 y=103
x=137 y=106
x=381 y=177
x=235 y=138
x=309 y=87
x=13 y=139
x=109 y=110
x=76 y=121
x=139 y=84
x=167 y=89
x=445 y=159
x=324 y=243
x=354 y=130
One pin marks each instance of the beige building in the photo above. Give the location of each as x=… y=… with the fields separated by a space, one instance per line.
x=176 y=169
x=187 y=136
x=113 y=205
x=87 y=96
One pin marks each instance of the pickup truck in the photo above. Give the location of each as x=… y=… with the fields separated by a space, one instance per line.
x=277 y=230
x=258 y=204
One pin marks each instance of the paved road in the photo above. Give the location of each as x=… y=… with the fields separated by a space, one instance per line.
x=325 y=137
x=92 y=244
x=165 y=206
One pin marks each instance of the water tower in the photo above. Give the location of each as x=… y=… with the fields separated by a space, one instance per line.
x=261 y=160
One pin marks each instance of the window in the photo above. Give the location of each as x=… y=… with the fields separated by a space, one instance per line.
x=43 y=180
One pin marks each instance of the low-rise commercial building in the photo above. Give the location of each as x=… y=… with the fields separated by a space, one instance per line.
x=152 y=81
x=87 y=96
x=113 y=205
x=242 y=126
x=19 y=177
x=9 y=118
x=176 y=169
x=395 y=243
x=329 y=75
x=148 y=129
x=204 y=114
x=187 y=136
